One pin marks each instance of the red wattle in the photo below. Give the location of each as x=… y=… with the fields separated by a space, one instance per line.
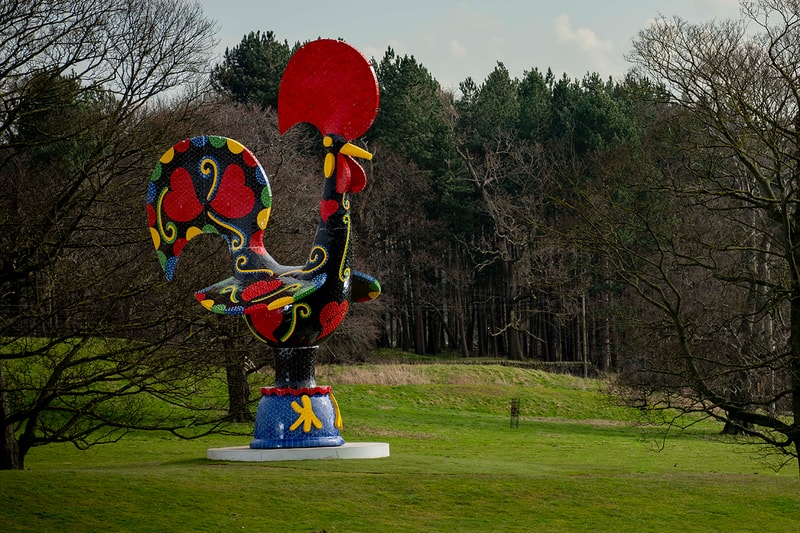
x=350 y=176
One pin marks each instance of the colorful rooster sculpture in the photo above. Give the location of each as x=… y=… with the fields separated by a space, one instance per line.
x=213 y=184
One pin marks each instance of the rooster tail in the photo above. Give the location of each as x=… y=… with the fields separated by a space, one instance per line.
x=207 y=184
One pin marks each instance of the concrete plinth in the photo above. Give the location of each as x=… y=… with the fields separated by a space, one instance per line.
x=348 y=450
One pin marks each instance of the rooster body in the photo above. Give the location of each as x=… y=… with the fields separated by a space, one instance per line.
x=212 y=184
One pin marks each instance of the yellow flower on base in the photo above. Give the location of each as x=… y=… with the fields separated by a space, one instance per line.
x=307 y=416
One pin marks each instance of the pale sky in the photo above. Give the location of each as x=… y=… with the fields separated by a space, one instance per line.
x=456 y=39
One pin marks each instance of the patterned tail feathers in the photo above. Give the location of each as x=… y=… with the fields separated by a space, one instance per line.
x=207 y=184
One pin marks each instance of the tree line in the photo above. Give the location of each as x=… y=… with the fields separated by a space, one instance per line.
x=644 y=227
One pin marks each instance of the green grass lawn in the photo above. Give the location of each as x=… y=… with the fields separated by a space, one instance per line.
x=577 y=462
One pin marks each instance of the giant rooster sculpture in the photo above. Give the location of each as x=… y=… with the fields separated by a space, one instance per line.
x=213 y=184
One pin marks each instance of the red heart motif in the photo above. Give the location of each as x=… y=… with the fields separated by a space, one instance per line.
x=327 y=208
x=266 y=323
x=331 y=316
x=256 y=309
x=259 y=288
x=234 y=199
x=181 y=203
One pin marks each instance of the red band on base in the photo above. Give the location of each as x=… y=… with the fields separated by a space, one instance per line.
x=276 y=391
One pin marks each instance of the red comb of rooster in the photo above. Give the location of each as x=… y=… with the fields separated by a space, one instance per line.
x=329 y=84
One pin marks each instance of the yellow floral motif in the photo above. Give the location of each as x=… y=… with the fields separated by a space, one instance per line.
x=307 y=416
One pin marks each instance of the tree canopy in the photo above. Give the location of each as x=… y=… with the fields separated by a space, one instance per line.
x=251 y=71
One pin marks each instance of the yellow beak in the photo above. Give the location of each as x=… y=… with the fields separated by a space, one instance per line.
x=354 y=151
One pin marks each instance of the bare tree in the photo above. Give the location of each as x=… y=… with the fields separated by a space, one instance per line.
x=87 y=341
x=721 y=265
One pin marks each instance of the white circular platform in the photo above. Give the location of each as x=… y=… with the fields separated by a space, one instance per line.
x=348 y=450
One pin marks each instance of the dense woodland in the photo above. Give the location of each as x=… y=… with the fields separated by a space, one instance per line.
x=645 y=227
x=467 y=220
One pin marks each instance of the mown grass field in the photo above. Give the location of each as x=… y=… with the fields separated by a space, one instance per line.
x=577 y=462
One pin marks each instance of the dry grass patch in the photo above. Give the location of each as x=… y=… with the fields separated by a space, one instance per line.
x=447 y=374
x=373 y=375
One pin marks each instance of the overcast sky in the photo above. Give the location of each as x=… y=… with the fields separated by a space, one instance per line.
x=456 y=39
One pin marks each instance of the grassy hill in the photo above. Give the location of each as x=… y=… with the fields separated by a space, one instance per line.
x=577 y=462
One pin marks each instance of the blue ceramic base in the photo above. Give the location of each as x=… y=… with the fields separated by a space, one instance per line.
x=297 y=418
